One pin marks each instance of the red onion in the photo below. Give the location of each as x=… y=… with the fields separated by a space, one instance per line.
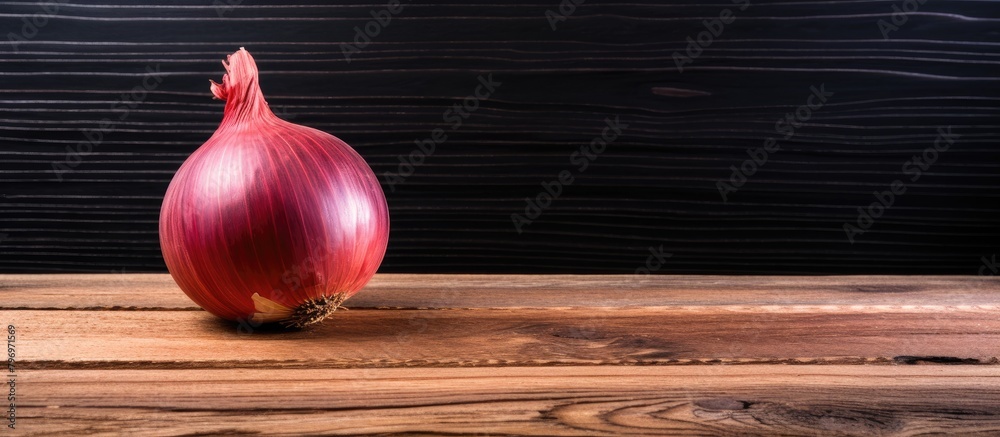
x=270 y=221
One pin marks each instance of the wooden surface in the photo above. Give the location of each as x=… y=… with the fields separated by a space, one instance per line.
x=517 y=355
x=654 y=185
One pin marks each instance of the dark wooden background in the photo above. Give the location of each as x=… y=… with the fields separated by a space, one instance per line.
x=655 y=185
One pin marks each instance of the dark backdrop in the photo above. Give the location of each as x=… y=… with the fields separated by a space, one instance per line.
x=655 y=185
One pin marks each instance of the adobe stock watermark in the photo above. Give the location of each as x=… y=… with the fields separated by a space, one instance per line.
x=455 y=117
x=32 y=24
x=580 y=159
x=283 y=113
x=562 y=13
x=655 y=261
x=914 y=168
x=95 y=136
x=758 y=156
x=988 y=266
x=122 y=277
x=593 y=326
x=292 y=280
x=223 y=7
x=900 y=15
x=363 y=35
x=713 y=29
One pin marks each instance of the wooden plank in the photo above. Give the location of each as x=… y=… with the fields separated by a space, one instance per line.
x=509 y=337
x=158 y=291
x=589 y=400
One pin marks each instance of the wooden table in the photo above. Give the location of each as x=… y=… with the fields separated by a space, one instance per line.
x=524 y=355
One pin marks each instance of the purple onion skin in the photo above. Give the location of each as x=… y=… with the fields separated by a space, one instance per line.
x=270 y=207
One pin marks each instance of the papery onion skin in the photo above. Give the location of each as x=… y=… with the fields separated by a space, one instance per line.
x=271 y=208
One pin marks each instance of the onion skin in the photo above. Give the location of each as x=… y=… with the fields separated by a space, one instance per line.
x=268 y=219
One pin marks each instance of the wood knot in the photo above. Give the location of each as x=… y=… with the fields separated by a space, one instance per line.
x=722 y=404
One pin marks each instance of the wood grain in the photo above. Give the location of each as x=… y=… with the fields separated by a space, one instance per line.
x=654 y=185
x=517 y=355
x=575 y=401
x=393 y=338
x=412 y=291
x=510 y=320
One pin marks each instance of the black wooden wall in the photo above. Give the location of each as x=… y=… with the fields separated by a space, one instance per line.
x=653 y=188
